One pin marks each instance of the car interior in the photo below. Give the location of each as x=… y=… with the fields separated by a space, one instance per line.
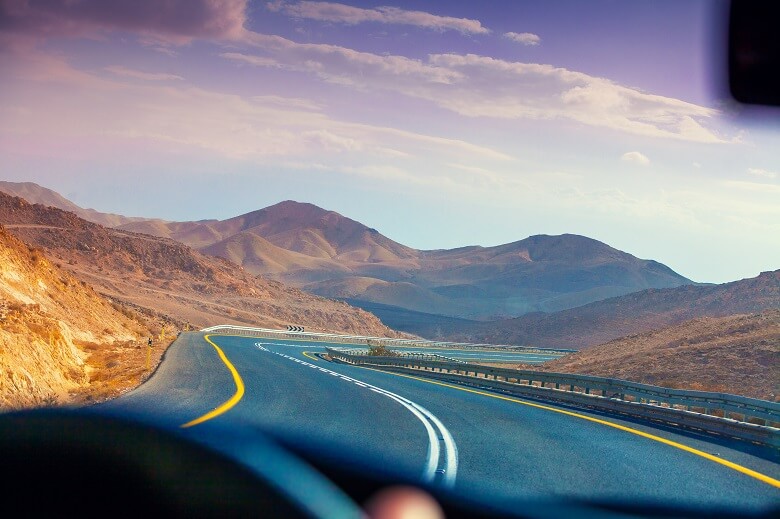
x=89 y=462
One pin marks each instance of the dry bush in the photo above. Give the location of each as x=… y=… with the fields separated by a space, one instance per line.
x=380 y=350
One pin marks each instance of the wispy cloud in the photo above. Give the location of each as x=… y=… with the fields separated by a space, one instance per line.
x=754 y=186
x=288 y=102
x=341 y=65
x=257 y=61
x=635 y=157
x=138 y=74
x=504 y=89
x=524 y=38
x=469 y=85
x=254 y=128
x=486 y=87
x=758 y=172
x=350 y=15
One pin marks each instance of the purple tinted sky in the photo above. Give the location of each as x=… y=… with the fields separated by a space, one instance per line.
x=613 y=38
x=440 y=124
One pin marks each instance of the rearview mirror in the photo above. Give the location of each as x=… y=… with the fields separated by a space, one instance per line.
x=754 y=52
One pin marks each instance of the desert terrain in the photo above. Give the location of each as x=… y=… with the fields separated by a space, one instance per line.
x=169 y=278
x=737 y=354
x=710 y=337
x=334 y=256
x=60 y=341
x=326 y=253
x=642 y=311
x=79 y=301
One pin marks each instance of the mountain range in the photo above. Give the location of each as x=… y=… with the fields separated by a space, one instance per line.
x=161 y=275
x=36 y=194
x=147 y=279
x=638 y=312
x=559 y=291
x=331 y=255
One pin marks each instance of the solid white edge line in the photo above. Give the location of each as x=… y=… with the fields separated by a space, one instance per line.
x=434 y=450
x=451 y=457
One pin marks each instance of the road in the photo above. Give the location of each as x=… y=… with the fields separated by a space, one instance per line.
x=470 y=440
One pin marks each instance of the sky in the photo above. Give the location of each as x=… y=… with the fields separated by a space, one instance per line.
x=440 y=124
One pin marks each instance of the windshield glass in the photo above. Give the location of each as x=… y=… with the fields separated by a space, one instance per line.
x=558 y=186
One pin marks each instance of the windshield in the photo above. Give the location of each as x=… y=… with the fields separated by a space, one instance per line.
x=560 y=187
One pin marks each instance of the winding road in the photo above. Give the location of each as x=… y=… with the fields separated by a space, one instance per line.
x=470 y=440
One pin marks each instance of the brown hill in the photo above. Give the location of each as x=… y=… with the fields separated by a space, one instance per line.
x=36 y=194
x=735 y=354
x=325 y=253
x=50 y=324
x=169 y=277
x=255 y=253
x=638 y=312
x=309 y=230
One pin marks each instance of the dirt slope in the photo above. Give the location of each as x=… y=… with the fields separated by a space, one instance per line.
x=50 y=323
x=736 y=354
x=170 y=278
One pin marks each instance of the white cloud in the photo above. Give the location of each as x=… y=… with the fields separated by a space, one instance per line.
x=257 y=61
x=754 y=186
x=512 y=90
x=138 y=74
x=288 y=102
x=481 y=86
x=342 y=65
x=635 y=157
x=525 y=38
x=113 y=115
x=350 y=15
x=758 y=172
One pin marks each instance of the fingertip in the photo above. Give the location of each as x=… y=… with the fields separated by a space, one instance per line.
x=403 y=502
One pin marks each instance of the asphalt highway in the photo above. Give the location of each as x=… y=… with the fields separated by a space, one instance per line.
x=472 y=441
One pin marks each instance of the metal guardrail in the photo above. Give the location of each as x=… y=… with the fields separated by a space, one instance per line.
x=699 y=409
x=363 y=340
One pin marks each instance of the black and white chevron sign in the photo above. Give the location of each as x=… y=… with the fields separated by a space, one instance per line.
x=293 y=328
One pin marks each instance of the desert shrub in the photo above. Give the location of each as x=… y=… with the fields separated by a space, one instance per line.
x=380 y=350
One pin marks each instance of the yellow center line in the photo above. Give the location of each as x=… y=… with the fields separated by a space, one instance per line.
x=306 y=354
x=739 y=468
x=233 y=400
